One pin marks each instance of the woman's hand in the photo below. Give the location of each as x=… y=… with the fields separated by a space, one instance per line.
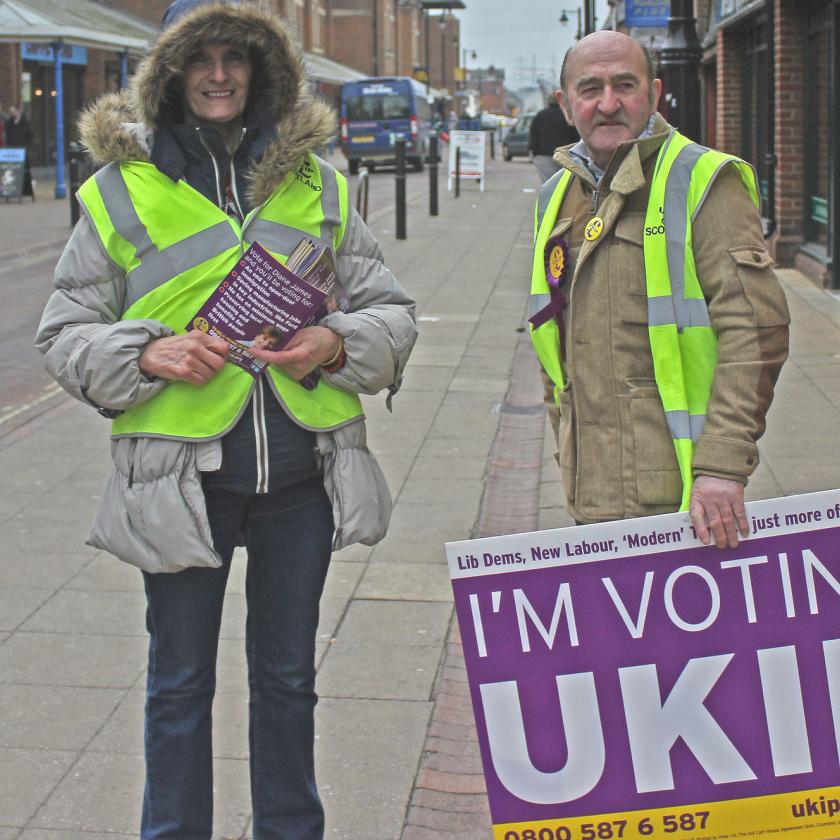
x=306 y=350
x=194 y=357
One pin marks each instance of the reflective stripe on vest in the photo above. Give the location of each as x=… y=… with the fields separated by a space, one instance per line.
x=174 y=250
x=546 y=338
x=683 y=344
x=280 y=238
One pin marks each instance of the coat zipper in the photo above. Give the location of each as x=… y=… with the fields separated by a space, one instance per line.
x=215 y=168
x=221 y=200
x=233 y=189
x=260 y=437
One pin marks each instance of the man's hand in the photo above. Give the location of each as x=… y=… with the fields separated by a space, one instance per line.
x=308 y=348
x=194 y=357
x=717 y=510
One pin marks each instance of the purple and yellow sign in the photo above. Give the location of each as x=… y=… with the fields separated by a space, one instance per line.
x=629 y=682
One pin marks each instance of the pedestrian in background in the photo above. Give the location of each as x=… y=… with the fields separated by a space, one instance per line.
x=19 y=136
x=210 y=151
x=549 y=130
x=661 y=348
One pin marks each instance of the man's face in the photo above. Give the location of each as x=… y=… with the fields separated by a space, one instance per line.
x=216 y=80
x=607 y=93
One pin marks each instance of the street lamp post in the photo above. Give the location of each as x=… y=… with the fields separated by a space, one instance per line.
x=374 y=12
x=564 y=19
x=680 y=60
x=465 y=54
x=442 y=25
x=589 y=18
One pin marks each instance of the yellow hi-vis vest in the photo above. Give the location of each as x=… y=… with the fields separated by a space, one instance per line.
x=175 y=247
x=682 y=342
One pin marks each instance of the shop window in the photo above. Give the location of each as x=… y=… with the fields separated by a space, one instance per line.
x=817 y=129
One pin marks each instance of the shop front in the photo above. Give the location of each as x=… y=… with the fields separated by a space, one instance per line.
x=821 y=151
x=38 y=95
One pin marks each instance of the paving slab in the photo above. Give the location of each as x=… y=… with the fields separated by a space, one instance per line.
x=63 y=718
x=378 y=670
x=52 y=659
x=377 y=743
x=18 y=605
x=104 y=573
x=27 y=777
x=405 y=582
x=90 y=611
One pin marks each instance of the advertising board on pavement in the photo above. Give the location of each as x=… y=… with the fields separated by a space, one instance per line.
x=473 y=153
x=12 y=169
x=629 y=682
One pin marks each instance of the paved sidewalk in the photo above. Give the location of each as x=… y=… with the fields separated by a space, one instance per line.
x=466 y=453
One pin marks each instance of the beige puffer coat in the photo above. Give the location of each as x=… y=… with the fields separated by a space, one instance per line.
x=615 y=451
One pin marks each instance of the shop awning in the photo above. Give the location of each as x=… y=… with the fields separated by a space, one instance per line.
x=325 y=70
x=81 y=22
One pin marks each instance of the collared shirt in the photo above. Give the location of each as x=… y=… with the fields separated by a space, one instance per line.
x=580 y=151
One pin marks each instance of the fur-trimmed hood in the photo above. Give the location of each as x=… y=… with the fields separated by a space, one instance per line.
x=119 y=127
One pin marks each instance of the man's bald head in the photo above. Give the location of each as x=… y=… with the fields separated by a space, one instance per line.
x=598 y=41
x=608 y=91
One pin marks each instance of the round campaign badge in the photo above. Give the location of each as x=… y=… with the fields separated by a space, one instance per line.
x=201 y=324
x=593 y=229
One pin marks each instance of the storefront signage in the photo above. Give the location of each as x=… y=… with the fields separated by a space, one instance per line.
x=12 y=163
x=629 y=682
x=647 y=12
x=727 y=8
x=70 y=53
x=819 y=210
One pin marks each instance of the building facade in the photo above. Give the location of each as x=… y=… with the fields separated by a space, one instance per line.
x=775 y=70
x=367 y=37
x=770 y=93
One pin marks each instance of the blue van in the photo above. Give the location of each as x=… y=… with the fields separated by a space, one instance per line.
x=374 y=111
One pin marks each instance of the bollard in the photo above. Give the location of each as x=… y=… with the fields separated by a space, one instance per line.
x=75 y=162
x=457 y=172
x=362 y=190
x=433 y=173
x=399 y=180
x=492 y=144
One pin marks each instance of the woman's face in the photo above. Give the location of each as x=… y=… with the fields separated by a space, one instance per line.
x=216 y=81
x=265 y=342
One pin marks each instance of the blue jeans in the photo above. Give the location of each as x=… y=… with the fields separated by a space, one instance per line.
x=288 y=536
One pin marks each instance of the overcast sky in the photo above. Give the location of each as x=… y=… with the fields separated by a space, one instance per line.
x=520 y=34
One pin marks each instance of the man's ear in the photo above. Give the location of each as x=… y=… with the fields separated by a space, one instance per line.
x=655 y=93
x=564 y=106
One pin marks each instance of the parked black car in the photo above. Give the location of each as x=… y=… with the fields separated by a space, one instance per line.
x=515 y=143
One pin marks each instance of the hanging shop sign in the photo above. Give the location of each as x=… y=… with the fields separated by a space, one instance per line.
x=70 y=53
x=647 y=12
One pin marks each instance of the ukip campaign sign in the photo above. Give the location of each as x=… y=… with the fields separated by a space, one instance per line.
x=629 y=682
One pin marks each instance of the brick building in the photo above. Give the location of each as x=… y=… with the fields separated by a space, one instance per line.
x=342 y=40
x=489 y=82
x=770 y=80
x=106 y=44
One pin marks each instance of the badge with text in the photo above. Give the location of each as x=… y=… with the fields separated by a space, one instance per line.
x=593 y=229
x=556 y=259
x=629 y=682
